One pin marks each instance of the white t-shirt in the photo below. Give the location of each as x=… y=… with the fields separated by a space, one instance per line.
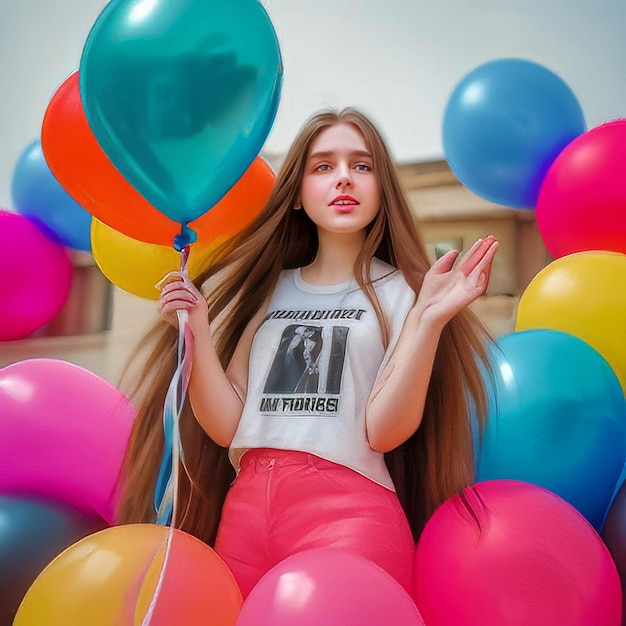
x=313 y=363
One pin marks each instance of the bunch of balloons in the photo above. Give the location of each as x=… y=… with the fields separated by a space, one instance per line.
x=515 y=134
x=150 y=148
x=155 y=139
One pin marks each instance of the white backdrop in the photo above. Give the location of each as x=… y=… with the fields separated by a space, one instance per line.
x=397 y=59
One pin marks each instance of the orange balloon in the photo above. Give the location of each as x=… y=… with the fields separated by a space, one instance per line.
x=111 y=576
x=83 y=169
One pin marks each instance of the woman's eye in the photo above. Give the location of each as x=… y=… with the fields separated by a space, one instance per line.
x=324 y=167
x=363 y=167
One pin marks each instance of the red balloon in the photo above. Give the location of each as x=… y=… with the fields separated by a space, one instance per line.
x=582 y=200
x=81 y=166
x=518 y=554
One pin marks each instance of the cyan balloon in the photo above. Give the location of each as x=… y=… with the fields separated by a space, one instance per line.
x=181 y=95
x=557 y=419
x=40 y=197
x=503 y=126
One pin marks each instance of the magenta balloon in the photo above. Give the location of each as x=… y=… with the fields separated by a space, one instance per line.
x=582 y=200
x=63 y=431
x=518 y=554
x=35 y=274
x=330 y=587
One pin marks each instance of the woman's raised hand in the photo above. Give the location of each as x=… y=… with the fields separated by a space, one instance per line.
x=447 y=289
x=179 y=293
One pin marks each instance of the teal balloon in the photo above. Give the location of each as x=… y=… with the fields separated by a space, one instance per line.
x=33 y=531
x=181 y=95
x=557 y=419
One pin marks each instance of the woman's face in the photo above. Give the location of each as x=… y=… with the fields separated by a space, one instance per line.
x=340 y=191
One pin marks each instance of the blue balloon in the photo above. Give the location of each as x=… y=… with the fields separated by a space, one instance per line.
x=38 y=196
x=557 y=419
x=503 y=126
x=181 y=95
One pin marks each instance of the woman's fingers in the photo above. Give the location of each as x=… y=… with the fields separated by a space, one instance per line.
x=446 y=262
x=179 y=290
x=480 y=254
x=481 y=273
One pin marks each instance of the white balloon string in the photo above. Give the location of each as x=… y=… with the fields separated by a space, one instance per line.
x=172 y=410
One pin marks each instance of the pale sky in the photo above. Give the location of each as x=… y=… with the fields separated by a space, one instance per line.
x=398 y=60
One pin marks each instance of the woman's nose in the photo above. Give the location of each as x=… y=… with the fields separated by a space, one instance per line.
x=344 y=177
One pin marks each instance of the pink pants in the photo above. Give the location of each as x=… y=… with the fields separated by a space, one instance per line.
x=284 y=502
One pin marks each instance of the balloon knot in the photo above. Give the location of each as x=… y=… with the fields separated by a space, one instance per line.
x=185 y=238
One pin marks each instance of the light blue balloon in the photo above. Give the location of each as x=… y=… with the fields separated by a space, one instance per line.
x=557 y=419
x=503 y=126
x=39 y=196
x=181 y=95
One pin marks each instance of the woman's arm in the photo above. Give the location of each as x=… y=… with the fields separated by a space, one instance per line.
x=216 y=396
x=396 y=405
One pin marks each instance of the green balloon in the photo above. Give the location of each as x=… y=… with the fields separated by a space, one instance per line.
x=181 y=95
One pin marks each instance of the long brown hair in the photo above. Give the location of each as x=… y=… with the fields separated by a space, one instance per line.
x=432 y=465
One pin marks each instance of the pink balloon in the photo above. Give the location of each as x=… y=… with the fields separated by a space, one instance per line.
x=63 y=431
x=582 y=200
x=35 y=274
x=330 y=587
x=518 y=554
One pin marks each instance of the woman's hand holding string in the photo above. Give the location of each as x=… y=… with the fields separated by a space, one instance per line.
x=216 y=396
x=178 y=293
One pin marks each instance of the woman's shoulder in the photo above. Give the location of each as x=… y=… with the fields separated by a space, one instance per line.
x=386 y=275
x=395 y=293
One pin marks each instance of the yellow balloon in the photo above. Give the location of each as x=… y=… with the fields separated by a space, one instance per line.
x=583 y=294
x=110 y=577
x=136 y=266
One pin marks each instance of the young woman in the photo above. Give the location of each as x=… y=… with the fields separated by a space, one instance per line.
x=333 y=369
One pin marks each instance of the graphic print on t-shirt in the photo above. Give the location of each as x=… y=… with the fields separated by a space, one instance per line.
x=305 y=376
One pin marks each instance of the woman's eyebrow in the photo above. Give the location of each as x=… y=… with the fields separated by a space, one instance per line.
x=323 y=154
